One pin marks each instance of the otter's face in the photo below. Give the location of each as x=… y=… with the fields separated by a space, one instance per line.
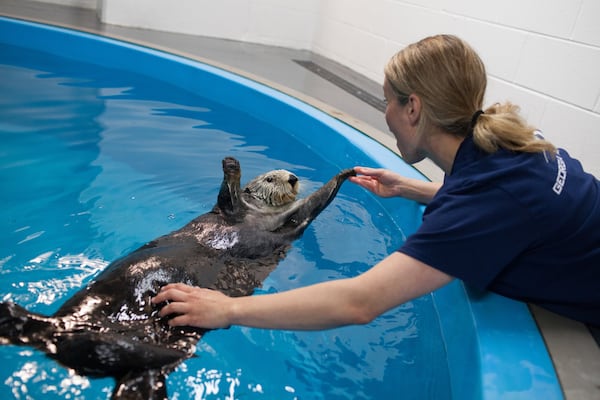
x=275 y=188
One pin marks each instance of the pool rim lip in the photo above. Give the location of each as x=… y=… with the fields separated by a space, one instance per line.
x=258 y=82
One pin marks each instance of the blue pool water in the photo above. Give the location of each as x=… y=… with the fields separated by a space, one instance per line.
x=100 y=154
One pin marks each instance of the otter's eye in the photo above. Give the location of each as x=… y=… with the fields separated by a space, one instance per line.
x=269 y=179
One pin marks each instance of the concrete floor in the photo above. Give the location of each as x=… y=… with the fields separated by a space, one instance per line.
x=351 y=98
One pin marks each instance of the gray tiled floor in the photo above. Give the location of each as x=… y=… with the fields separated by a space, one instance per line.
x=575 y=354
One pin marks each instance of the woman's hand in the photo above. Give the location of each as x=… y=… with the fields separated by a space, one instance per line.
x=382 y=182
x=194 y=306
x=386 y=183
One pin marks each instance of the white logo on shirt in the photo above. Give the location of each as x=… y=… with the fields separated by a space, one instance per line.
x=561 y=177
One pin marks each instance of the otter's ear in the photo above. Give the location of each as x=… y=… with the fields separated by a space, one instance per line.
x=247 y=190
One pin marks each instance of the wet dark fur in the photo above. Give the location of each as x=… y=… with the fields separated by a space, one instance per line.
x=110 y=327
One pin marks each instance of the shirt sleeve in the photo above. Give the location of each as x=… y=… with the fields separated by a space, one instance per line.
x=472 y=235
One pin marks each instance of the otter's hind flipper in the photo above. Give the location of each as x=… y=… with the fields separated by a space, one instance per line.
x=19 y=326
x=111 y=354
x=141 y=385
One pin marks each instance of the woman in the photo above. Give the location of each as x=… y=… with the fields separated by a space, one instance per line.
x=515 y=215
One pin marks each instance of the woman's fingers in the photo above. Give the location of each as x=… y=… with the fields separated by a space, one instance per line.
x=174 y=308
x=193 y=306
x=368 y=171
x=365 y=182
x=172 y=292
x=178 y=286
x=180 y=320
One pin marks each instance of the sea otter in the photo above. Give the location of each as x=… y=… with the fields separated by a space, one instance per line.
x=110 y=327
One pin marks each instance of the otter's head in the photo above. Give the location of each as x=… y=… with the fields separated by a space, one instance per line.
x=274 y=188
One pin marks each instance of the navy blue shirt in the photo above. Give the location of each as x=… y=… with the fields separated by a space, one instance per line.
x=524 y=225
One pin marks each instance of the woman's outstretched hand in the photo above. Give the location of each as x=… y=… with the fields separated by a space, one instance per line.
x=386 y=183
x=380 y=181
x=194 y=306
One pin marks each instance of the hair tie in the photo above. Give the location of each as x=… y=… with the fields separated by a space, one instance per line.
x=474 y=120
x=476 y=116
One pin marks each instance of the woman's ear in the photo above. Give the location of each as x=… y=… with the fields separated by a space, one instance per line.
x=414 y=108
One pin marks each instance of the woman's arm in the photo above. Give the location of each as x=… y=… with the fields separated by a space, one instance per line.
x=386 y=183
x=393 y=281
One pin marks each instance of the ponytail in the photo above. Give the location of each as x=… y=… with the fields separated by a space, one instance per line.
x=501 y=126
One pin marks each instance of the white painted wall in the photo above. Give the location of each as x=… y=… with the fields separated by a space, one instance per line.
x=273 y=22
x=541 y=54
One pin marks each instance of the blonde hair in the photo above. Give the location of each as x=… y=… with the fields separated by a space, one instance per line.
x=450 y=79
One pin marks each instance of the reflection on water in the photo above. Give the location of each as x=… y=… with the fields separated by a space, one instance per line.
x=32 y=374
x=52 y=279
x=95 y=163
x=206 y=383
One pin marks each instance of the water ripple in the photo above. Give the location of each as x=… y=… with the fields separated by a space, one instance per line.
x=76 y=270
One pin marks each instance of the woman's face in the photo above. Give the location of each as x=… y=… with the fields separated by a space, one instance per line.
x=401 y=121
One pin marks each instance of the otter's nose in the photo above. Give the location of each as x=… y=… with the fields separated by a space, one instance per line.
x=292 y=179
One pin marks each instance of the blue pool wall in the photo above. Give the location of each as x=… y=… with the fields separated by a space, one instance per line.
x=493 y=346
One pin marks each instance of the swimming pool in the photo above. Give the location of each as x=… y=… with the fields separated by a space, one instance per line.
x=123 y=143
